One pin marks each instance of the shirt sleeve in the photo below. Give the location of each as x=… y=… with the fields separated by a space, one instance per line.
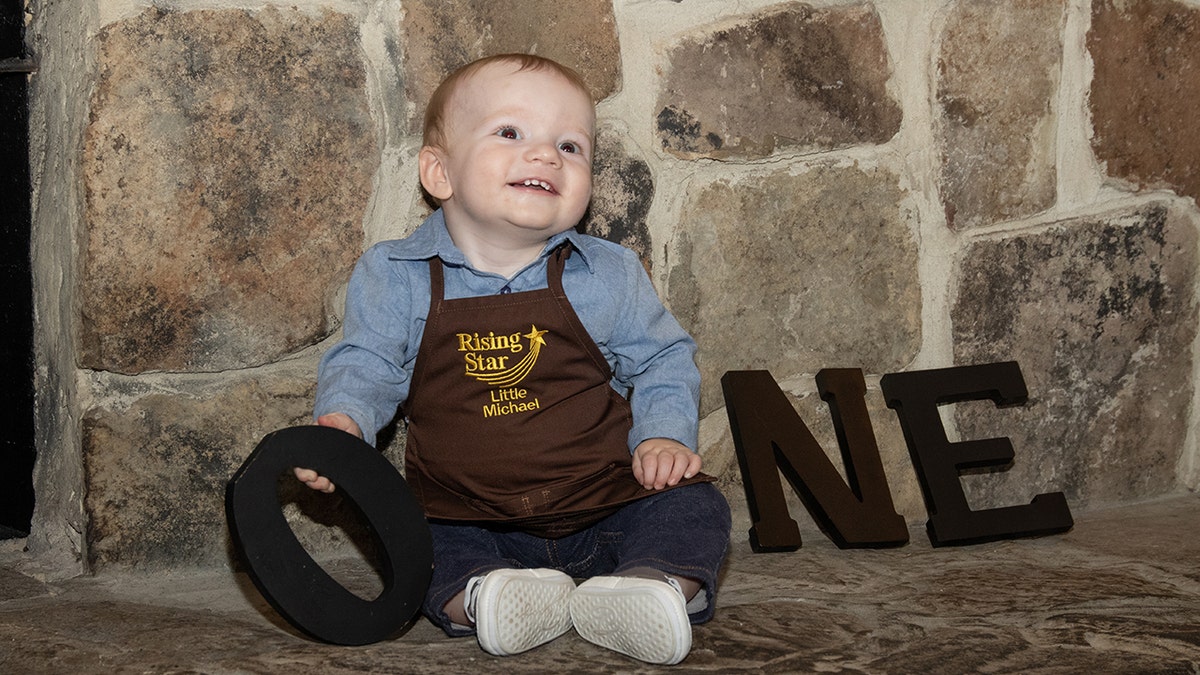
x=364 y=375
x=654 y=358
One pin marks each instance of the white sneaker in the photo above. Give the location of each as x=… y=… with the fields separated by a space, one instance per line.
x=642 y=618
x=515 y=610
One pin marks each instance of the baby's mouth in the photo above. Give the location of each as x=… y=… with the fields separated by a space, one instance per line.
x=535 y=183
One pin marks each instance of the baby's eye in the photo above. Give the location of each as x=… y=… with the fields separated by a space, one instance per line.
x=509 y=133
x=568 y=147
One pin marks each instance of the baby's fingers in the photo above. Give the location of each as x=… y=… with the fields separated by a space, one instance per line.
x=314 y=480
x=684 y=465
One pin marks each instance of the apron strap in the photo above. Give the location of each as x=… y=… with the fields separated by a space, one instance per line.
x=437 y=287
x=555 y=266
x=437 y=293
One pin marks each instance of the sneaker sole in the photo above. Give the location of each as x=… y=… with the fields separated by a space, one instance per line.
x=648 y=623
x=526 y=611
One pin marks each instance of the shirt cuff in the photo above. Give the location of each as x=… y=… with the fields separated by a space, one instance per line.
x=680 y=430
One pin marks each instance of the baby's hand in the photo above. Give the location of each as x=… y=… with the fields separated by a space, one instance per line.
x=313 y=479
x=340 y=421
x=659 y=462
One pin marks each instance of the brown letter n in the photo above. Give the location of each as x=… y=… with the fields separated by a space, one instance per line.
x=768 y=434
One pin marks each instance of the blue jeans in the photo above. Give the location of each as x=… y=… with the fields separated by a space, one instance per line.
x=683 y=532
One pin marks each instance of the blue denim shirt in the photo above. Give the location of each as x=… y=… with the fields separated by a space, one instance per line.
x=367 y=374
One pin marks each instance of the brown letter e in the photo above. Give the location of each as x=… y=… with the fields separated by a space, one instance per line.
x=915 y=397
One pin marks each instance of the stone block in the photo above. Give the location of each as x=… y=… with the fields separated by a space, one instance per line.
x=1100 y=313
x=1145 y=92
x=795 y=273
x=157 y=463
x=227 y=167
x=997 y=79
x=789 y=78
x=440 y=35
x=622 y=191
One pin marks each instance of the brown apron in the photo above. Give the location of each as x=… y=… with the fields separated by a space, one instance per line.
x=511 y=418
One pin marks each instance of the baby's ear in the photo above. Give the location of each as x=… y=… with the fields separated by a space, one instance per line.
x=434 y=176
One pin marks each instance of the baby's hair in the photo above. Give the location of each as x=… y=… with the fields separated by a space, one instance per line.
x=434 y=132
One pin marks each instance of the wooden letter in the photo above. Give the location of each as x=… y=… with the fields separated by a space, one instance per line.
x=284 y=572
x=915 y=397
x=767 y=433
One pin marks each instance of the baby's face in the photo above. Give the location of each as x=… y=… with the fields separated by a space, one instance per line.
x=518 y=154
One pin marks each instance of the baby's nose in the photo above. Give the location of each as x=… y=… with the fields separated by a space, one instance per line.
x=544 y=151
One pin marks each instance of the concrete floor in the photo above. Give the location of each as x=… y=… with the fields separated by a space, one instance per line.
x=1118 y=593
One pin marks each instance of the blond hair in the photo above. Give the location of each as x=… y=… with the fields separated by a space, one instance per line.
x=434 y=133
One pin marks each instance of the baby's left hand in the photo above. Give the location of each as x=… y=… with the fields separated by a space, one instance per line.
x=659 y=462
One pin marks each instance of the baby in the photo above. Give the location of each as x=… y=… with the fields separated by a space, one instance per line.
x=550 y=399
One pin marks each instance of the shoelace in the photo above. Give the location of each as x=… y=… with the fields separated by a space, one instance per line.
x=674 y=583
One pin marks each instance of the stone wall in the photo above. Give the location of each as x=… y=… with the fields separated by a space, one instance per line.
x=883 y=185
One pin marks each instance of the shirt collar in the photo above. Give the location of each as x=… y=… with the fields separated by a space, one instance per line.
x=432 y=240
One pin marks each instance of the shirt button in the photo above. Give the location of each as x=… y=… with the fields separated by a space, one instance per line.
x=506 y=290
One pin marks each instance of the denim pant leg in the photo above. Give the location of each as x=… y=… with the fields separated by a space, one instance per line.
x=464 y=551
x=683 y=532
x=459 y=553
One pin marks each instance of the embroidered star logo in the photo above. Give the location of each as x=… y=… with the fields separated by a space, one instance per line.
x=535 y=336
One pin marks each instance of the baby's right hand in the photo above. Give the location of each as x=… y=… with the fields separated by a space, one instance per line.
x=313 y=479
